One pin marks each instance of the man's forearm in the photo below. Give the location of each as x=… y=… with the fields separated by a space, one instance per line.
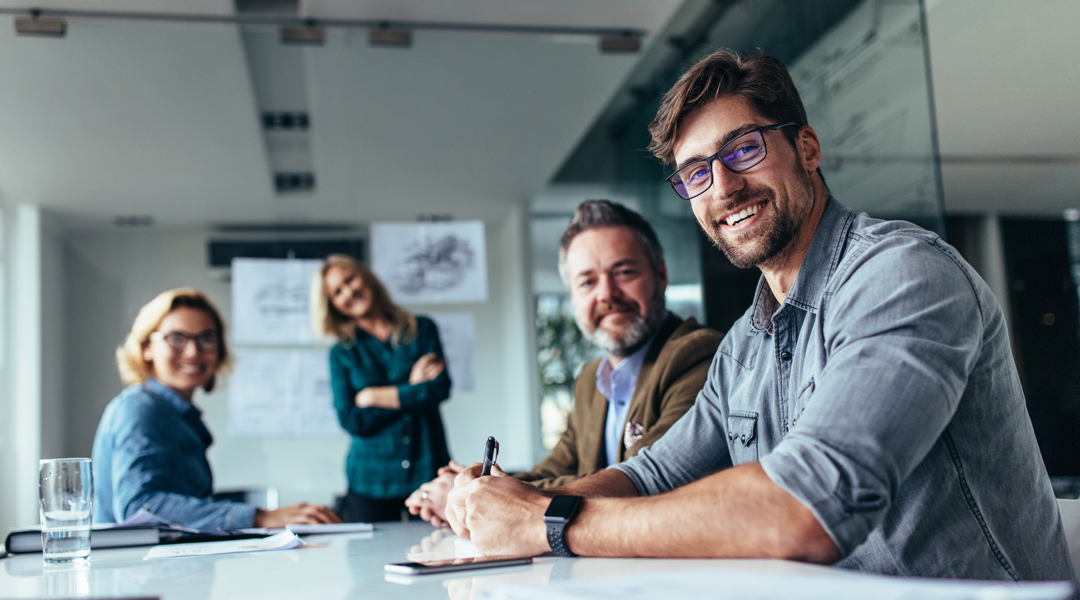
x=609 y=483
x=736 y=513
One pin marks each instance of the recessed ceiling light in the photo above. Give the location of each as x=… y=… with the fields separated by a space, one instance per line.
x=309 y=35
x=610 y=44
x=40 y=26
x=133 y=221
x=384 y=36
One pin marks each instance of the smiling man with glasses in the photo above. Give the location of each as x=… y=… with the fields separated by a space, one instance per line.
x=865 y=411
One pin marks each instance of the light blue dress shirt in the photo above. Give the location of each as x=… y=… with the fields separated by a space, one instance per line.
x=617 y=384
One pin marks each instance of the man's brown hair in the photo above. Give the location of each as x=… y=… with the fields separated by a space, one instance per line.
x=762 y=81
x=592 y=214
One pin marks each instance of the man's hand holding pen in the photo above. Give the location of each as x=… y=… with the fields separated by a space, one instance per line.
x=494 y=512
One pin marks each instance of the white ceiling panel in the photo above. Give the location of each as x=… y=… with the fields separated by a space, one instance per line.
x=1022 y=189
x=1007 y=76
x=1007 y=84
x=458 y=124
x=131 y=118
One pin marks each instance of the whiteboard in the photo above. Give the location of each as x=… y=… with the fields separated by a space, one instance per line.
x=429 y=263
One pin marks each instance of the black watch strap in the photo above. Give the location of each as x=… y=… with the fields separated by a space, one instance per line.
x=556 y=533
x=560 y=513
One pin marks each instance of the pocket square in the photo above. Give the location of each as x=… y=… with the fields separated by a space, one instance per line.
x=633 y=434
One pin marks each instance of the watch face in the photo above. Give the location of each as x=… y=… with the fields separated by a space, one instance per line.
x=563 y=506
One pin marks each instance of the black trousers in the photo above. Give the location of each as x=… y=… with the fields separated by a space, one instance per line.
x=357 y=508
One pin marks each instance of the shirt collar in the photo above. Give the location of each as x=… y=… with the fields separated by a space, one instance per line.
x=821 y=260
x=608 y=376
x=170 y=397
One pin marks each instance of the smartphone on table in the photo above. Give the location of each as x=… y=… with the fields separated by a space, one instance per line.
x=456 y=564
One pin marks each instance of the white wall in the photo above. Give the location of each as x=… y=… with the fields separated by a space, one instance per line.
x=20 y=396
x=7 y=447
x=55 y=420
x=111 y=274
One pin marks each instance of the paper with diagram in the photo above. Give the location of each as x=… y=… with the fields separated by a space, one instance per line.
x=281 y=391
x=270 y=301
x=426 y=263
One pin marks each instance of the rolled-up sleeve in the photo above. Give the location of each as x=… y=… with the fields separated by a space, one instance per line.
x=901 y=335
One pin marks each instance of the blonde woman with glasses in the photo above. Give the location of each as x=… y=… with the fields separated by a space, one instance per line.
x=388 y=379
x=150 y=447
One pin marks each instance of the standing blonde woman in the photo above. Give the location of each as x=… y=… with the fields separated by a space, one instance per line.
x=150 y=447
x=388 y=378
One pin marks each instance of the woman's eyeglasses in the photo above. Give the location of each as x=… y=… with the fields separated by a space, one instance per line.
x=737 y=156
x=205 y=342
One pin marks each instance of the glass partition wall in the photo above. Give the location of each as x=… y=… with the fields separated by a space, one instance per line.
x=862 y=69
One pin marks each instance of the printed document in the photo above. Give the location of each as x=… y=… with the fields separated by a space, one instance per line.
x=282 y=541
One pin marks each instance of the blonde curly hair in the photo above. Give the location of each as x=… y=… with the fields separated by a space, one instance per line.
x=129 y=357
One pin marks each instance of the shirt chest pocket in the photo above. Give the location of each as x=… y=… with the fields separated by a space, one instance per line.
x=742 y=436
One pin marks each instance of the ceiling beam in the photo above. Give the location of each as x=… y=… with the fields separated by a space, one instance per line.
x=287 y=20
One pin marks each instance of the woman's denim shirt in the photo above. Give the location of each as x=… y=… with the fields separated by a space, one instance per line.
x=393 y=451
x=150 y=452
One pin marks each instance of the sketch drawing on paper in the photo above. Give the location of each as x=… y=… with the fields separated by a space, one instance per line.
x=282 y=298
x=431 y=262
x=434 y=264
x=270 y=300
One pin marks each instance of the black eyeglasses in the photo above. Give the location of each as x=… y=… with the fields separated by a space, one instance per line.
x=737 y=156
x=205 y=342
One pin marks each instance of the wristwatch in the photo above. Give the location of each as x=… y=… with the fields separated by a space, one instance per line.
x=560 y=512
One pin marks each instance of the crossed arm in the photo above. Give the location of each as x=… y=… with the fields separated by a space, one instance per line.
x=735 y=513
x=427 y=368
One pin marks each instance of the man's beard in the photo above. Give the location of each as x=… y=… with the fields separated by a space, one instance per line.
x=778 y=233
x=636 y=333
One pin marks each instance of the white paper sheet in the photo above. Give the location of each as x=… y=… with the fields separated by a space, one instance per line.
x=426 y=263
x=694 y=584
x=282 y=541
x=457 y=332
x=277 y=391
x=270 y=300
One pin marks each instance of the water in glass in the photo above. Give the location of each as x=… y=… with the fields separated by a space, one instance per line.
x=66 y=494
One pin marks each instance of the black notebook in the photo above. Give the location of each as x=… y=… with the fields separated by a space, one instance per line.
x=26 y=540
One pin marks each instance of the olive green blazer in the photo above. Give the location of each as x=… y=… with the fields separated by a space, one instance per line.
x=671 y=376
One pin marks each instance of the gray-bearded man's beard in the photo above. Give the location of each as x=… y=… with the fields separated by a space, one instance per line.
x=636 y=334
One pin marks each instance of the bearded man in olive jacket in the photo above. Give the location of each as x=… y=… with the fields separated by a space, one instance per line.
x=654 y=363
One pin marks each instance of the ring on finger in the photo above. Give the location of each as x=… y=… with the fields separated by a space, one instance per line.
x=424 y=495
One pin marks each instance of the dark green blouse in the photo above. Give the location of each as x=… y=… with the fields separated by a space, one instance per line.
x=393 y=451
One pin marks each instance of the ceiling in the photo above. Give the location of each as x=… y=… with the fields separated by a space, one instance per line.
x=136 y=117
x=1007 y=88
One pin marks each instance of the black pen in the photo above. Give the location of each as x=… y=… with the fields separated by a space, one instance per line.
x=491 y=454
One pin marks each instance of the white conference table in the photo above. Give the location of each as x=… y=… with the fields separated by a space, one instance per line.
x=329 y=567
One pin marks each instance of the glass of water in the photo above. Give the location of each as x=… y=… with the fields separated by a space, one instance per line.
x=66 y=488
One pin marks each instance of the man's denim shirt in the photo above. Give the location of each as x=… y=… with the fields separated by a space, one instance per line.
x=150 y=452
x=882 y=395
